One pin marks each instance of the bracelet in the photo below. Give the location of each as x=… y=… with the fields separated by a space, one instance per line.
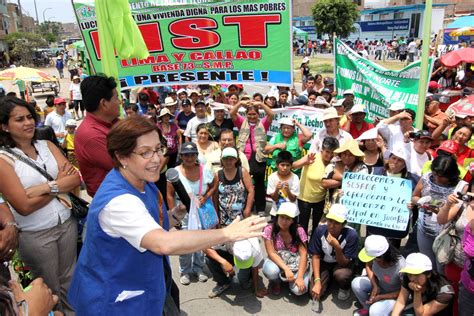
x=14 y=224
x=317 y=279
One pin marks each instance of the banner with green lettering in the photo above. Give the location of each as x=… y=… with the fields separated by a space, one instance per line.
x=202 y=41
x=373 y=85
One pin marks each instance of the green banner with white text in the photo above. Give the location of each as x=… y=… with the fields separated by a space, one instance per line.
x=373 y=85
x=202 y=42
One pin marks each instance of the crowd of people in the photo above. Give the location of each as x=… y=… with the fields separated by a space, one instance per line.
x=186 y=169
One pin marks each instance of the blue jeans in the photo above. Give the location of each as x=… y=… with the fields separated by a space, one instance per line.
x=362 y=287
x=191 y=263
x=425 y=245
x=272 y=272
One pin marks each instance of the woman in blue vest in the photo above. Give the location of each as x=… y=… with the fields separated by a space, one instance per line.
x=123 y=268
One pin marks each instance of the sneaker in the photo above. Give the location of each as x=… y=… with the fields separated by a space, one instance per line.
x=185 y=279
x=361 y=312
x=202 y=277
x=218 y=290
x=343 y=295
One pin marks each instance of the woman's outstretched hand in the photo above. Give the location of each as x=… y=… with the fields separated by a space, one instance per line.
x=247 y=228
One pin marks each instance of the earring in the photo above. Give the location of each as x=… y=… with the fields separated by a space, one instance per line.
x=7 y=131
x=124 y=166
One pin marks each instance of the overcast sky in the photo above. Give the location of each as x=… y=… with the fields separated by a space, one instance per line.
x=59 y=10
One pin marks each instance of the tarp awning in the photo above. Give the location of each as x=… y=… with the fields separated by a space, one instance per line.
x=463 y=21
x=298 y=31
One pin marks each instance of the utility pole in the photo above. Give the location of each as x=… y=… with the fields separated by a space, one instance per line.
x=21 y=15
x=36 y=11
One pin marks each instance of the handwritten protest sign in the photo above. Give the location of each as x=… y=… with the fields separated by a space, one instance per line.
x=202 y=41
x=378 y=201
x=373 y=85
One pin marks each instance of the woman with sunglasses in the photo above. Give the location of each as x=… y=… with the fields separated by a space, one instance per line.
x=128 y=241
x=201 y=182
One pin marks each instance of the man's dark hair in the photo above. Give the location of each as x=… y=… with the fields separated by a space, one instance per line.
x=143 y=97
x=96 y=88
x=412 y=113
x=284 y=92
x=330 y=143
x=310 y=78
x=50 y=100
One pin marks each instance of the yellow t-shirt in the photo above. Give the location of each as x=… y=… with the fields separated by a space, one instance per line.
x=311 y=183
x=69 y=139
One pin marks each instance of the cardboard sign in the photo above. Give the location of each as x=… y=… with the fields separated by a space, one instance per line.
x=378 y=201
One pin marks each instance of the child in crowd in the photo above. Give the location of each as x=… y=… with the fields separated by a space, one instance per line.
x=283 y=185
x=68 y=144
x=378 y=290
x=286 y=246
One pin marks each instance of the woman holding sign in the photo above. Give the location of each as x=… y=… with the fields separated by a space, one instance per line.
x=394 y=167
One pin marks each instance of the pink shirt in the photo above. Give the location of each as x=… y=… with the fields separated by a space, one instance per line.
x=238 y=123
x=468 y=246
x=278 y=243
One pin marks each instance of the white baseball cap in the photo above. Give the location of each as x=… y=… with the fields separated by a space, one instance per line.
x=273 y=94
x=287 y=121
x=417 y=263
x=229 y=152
x=398 y=151
x=348 y=91
x=338 y=103
x=337 y=212
x=289 y=209
x=375 y=246
x=397 y=106
x=71 y=122
x=358 y=108
x=247 y=253
x=305 y=60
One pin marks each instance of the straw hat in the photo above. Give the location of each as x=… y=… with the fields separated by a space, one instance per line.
x=330 y=113
x=352 y=146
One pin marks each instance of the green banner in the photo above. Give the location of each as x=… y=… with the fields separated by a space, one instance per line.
x=193 y=42
x=373 y=85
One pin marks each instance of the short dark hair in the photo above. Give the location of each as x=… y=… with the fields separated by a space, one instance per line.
x=446 y=166
x=122 y=138
x=330 y=143
x=315 y=93
x=143 y=97
x=226 y=131
x=284 y=156
x=95 y=88
x=412 y=113
x=257 y=94
x=7 y=104
x=284 y=92
x=310 y=78
x=50 y=100
x=46 y=132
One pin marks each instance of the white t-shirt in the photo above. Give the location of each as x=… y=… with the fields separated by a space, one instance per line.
x=126 y=216
x=416 y=161
x=293 y=184
x=58 y=122
x=392 y=134
x=193 y=124
x=412 y=47
x=76 y=91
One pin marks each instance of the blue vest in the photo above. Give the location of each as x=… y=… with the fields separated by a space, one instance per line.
x=107 y=266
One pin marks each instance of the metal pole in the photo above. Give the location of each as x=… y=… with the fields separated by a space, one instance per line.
x=44 y=11
x=424 y=69
x=36 y=11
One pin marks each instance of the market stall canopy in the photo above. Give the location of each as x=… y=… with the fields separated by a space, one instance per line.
x=463 y=21
x=463 y=31
x=465 y=106
x=456 y=57
x=78 y=44
x=26 y=74
x=298 y=31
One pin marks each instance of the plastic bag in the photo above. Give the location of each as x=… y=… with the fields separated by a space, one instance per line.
x=194 y=222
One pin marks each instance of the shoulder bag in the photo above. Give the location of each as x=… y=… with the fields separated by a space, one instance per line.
x=79 y=207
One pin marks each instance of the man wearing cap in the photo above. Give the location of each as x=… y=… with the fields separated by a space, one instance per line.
x=394 y=133
x=185 y=115
x=433 y=115
x=417 y=145
x=356 y=124
x=201 y=117
x=102 y=104
x=395 y=108
x=331 y=128
x=326 y=94
x=195 y=97
x=226 y=139
x=57 y=119
x=334 y=248
x=348 y=95
x=219 y=122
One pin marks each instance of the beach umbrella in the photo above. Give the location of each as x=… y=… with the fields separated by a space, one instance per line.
x=463 y=31
x=456 y=57
x=26 y=74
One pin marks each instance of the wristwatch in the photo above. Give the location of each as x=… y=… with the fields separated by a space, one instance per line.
x=53 y=188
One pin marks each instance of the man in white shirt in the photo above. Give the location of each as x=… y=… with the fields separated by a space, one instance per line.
x=57 y=119
x=417 y=151
x=393 y=133
x=213 y=159
x=331 y=128
x=201 y=117
x=412 y=48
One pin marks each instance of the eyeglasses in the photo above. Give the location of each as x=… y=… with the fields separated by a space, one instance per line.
x=150 y=153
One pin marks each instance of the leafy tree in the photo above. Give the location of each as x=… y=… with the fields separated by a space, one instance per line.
x=50 y=30
x=23 y=45
x=335 y=16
